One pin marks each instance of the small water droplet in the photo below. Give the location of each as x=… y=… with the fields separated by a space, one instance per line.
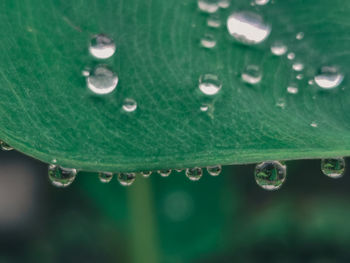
x=208 y=6
x=194 y=174
x=297 y=66
x=248 y=28
x=209 y=84
x=208 y=41
x=178 y=170
x=129 y=105
x=278 y=49
x=102 y=80
x=251 y=75
x=146 y=174
x=333 y=168
x=214 y=21
x=300 y=36
x=291 y=56
x=300 y=76
x=214 y=170
x=5 y=147
x=164 y=173
x=261 y=2
x=126 y=179
x=204 y=107
x=328 y=78
x=270 y=175
x=105 y=177
x=224 y=3
x=61 y=177
x=311 y=82
x=86 y=72
x=292 y=89
x=102 y=46
x=314 y=124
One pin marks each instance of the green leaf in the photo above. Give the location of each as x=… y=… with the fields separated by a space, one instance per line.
x=48 y=113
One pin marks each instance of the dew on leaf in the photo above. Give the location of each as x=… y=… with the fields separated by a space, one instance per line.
x=105 y=177
x=61 y=177
x=164 y=173
x=251 y=74
x=129 y=105
x=291 y=56
x=261 y=2
x=126 y=179
x=208 y=6
x=209 y=84
x=102 y=80
x=102 y=46
x=333 y=168
x=5 y=147
x=278 y=49
x=194 y=174
x=214 y=170
x=292 y=89
x=300 y=36
x=328 y=78
x=270 y=175
x=208 y=41
x=297 y=66
x=146 y=174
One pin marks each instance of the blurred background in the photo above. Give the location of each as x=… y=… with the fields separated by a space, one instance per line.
x=217 y=219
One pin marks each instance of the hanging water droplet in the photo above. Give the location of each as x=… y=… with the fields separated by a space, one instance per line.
x=204 y=107
x=146 y=174
x=300 y=36
x=214 y=21
x=291 y=56
x=314 y=124
x=270 y=175
x=328 y=78
x=129 y=105
x=214 y=170
x=261 y=2
x=126 y=179
x=194 y=174
x=105 y=177
x=251 y=75
x=102 y=80
x=297 y=66
x=333 y=168
x=209 y=84
x=61 y=177
x=208 y=6
x=102 y=46
x=292 y=89
x=208 y=41
x=278 y=49
x=5 y=147
x=178 y=170
x=248 y=27
x=164 y=173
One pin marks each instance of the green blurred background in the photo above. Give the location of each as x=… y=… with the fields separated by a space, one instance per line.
x=217 y=219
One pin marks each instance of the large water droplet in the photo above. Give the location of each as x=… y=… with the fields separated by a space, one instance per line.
x=4 y=146
x=248 y=27
x=102 y=80
x=329 y=78
x=208 y=41
x=333 y=168
x=208 y=6
x=209 y=84
x=214 y=170
x=278 y=49
x=126 y=179
x=105 y=177
x=194 y=174
x=129 y=105
x=270 y=175
x=164 y=173
x=102 y=46
x=252 y=75
x=61 y=177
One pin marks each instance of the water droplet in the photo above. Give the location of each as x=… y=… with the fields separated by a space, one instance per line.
x=208 y=6
x=208 y=41
x=311 y=82
x=164 y=173
x=261 y=2
x=194 y=174
x=86 y=72
x=209 y=84
x=178 y=170
x=5 y=147
x=251 y=75
x=291 y=56
x=214 y=21
x=61 y=177
x=292 y=89
x=102 y=46
x=297 y=66
x=214 y=170
x=300 y=36
x=102 y=80
x=129 y=105
x=270 y=175
x=126 y=179
x=333 y=168
x=314 y=124
x=328 y=78
x=224 y=3
x=204 y=107
x=300 y=76
x=146 y=174
x=248 y=27
x=278 y=49
x=105 y=177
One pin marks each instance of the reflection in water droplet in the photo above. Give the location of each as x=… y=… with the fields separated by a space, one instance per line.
x=333 y=168
x=5 y=147
x=329 y=78
x=164 y=173
x=105 y=177
x=292 y=89
x=126 y=179
x=209 y=84
x=248 y=27
x=208 y=41
x=291 y=56
x=214 y=170
x=61 y=177
x=278 y=49
x=146 y=174
x=261 y=2
x=102 y=80
x=102 y=47
x=251 y=75
x=208 y=6
x=194 y=174
x=297 y=66
x=314 y=124
x=129 y=105
x=300 y=36
x=270 y=175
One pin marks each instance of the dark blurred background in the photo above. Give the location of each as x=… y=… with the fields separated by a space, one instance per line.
x=217 y=219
